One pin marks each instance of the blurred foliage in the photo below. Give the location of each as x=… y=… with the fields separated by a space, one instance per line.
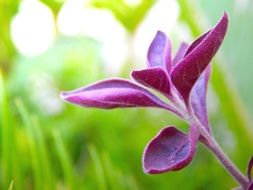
x=55 y=5
x=7 y=10
x=129 y=16
x=47 y=144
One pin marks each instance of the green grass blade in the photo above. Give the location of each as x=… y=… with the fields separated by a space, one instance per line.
x=5 y=136
x=101 y=180
x=36 y=165
x=17 y=170
x=11 y=167
x=116 y=179
x=66 y=165
x=11 y=186
x=47 y=172
x=111 y=174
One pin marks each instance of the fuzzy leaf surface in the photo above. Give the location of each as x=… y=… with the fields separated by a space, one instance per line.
x=198 y=98
x=159 y=52
x=188 y=70
x=156 y=78
x=180 y=53
x=113 y=93
x=170 y=150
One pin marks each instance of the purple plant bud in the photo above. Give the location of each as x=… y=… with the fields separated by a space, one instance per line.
x=250 y=165
x=170 y=150
x=180 y=53
x=156 y=78
x=113 y=93
x=198 y=98
x=159 y=52
x=187 y=71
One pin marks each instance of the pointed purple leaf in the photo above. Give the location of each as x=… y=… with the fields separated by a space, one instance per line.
x=159 y=52
x=250 y=165
x=113 y=93
x=155 y=78
x=170 y=150
x=188 y=70
x=180 y=53
x=198 y=98
x=196 y=43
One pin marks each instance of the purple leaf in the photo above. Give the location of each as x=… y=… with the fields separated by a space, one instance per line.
x=250 y=187
x=196 y=43
x=187 y=71
x=159 y=52
x=113 y=93
x=170 y=150
x=180 y=53
x=155 y=78
x=198 y=98
x=250 y=165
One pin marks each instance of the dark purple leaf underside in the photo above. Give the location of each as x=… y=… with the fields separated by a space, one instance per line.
x=250 y=165
x=113 y=93
x=159 y=52
x=198 y=98
x=188 y=70
x=250 y=187
x=156 y=78
x=170 y=150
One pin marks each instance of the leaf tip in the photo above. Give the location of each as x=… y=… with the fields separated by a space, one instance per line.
x=64 y=95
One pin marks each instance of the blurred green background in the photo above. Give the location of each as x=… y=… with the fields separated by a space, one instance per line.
x=52 y=45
